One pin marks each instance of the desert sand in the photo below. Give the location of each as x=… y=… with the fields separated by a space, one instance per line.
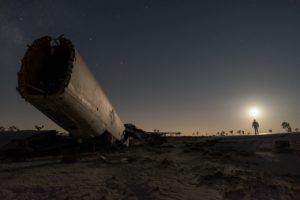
x=248 y=167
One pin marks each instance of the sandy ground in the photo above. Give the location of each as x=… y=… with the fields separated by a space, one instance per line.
x=184 y=168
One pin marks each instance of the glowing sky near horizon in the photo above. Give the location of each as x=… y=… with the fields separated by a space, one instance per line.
x=171 y=65
x=254 y=112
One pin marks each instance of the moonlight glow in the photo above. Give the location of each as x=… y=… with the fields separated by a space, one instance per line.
x=254 y=112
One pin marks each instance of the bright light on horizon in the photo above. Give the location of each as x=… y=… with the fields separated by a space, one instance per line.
x=254 y=112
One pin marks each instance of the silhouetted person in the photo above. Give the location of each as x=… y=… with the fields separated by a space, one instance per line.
x=255 y=125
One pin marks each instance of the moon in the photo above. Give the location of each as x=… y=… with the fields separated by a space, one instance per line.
x=254 y=112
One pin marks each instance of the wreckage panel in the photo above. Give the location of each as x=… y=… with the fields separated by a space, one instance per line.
x=77 y=119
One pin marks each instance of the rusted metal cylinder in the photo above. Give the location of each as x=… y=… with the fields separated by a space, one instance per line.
x=55 y=79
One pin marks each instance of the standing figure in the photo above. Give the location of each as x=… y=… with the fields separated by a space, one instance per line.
x=255 y=125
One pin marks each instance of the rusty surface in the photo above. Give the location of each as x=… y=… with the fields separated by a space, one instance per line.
x=55 y=79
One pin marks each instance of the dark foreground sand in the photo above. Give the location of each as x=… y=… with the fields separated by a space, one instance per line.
x=184 y=168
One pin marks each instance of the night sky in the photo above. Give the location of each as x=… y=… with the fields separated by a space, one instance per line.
x=171 y=65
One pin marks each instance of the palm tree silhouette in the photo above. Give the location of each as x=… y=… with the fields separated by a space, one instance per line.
x=286 y=126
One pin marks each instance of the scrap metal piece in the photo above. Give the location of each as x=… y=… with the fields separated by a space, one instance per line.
x=144 y=137
x=55 y=79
